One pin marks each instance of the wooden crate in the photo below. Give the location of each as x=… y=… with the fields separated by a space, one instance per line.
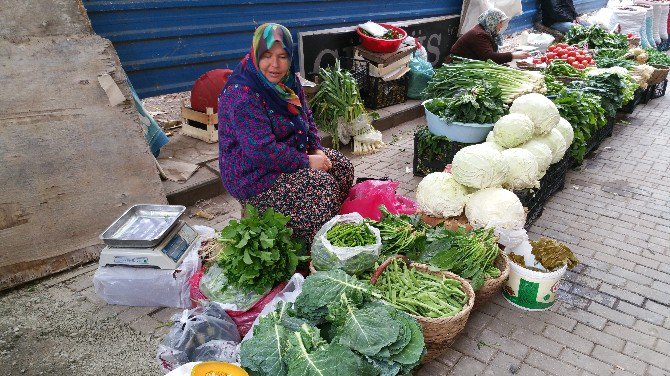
x=382 y=65
x=200 y=125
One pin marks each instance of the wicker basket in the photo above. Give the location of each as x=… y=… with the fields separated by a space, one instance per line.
x=493 y=286
x=659 y=75
x=438 y=333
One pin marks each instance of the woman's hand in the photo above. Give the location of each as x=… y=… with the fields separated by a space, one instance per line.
x=319 y=162
x=520 y=55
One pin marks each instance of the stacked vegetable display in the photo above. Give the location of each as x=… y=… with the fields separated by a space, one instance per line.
x=576 y=57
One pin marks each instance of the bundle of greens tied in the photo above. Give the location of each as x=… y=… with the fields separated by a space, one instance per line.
x=345 y=234
x=258 y=251
x=338 y=109
x=420 y=293
x=335 y=327
x=460 y=74
x=470 y=254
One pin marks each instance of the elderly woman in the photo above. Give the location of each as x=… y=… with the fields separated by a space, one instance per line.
x=270 y=155
x=481 y=42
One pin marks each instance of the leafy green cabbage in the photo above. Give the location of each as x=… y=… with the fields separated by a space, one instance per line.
x=479 y=166
x=540 y=109
x=523 y=171
x=440 y=195
x=513 y=130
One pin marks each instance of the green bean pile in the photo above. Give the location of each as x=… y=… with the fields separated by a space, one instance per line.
x=350 y=235
x=419 y=293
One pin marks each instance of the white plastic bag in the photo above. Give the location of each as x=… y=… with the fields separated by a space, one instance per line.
x=148 y=287
x=541 y=41
x=512 y=8
x=510 y=237
x=201 y=334
x=373 y=28
x=289 y=294
x=352 y=260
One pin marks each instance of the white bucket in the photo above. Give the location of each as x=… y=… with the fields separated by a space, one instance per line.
x=532 y=290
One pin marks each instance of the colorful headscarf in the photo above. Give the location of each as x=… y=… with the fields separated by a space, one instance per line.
x=489 y=21
x=281 y=97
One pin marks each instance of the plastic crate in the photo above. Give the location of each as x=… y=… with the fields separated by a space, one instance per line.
x=375 y=92
x=552 y=182
x=629 y=107
x=659 y=89
x=648 y=94
x=433 y=153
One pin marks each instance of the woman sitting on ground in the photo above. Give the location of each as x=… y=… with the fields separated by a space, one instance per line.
x=270 y=155
x=481 y=42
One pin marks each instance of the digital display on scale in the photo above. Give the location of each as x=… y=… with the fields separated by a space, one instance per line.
x=179 y=244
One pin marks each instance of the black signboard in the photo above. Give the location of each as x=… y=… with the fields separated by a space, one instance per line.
x=319 y=49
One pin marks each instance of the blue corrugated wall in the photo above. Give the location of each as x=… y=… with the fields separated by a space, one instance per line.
x=165 y=45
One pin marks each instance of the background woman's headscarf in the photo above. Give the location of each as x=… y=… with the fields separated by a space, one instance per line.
x=489 y=21
x=281 y=97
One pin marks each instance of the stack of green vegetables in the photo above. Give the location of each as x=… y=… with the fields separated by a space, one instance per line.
x=609 y=86
x=613 y=57
x=338 y=98
x=258 y=251
x=561 y=68
x=657 y=57
x=553 y=87
x=401 y=234
x=419 y=293
x=334 y=328
x=450 y=79
x=594 y=37
x=586 y=115
x=470 y=254
x=481 y=103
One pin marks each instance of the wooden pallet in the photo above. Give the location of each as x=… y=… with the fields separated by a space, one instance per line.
x=200 y=125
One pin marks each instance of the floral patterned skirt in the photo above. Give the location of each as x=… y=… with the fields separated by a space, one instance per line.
x=310 y=197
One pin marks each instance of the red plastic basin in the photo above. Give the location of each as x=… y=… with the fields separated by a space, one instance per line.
x=382 y=45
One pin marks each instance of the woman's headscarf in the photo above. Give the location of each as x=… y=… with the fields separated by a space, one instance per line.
x=489 y=21
x=281 y=97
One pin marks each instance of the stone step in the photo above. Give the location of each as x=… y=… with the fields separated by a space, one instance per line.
x=206 y=182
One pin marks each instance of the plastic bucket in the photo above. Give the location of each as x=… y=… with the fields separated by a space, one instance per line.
x=531 y=290
x=470 y=133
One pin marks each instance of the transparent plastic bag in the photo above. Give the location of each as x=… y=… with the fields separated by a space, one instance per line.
x=190 y=336
x=214 y=285
x=419 y=74
x=352 y=260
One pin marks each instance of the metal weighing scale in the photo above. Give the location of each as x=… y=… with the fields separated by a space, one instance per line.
x=148 y=236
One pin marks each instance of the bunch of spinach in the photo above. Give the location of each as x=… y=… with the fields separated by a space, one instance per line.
x=657 y=57
x=586 y=115
x=594 y=37
x=480 y=102
x=258 y=251
x=610 y=87
x=334 y=328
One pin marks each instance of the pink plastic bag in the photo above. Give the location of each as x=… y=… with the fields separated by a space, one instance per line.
x=366 y=197
x=245 y=319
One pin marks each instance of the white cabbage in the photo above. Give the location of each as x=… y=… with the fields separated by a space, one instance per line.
x=566 y=130
x=540 y=109
x=523 y=172
x=489 y=137
x=512 y=130
x=493 y=145
x=439 y=195
x=542 y=155
x=495 y=207
x=556 y=143
x=479 y=166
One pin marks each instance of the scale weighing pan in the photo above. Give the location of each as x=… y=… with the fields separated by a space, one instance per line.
x=142 y=226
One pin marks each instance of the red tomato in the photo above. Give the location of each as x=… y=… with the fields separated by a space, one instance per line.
x=537 y=61
x=580 y=66
x=572 y=48
x=551 y=48
x=562 y=45
x=551 y=55
x=564 y=56
x=585 y=62
x=543 y=58
x=572 y=53
x=571 y=59
x=588 y=58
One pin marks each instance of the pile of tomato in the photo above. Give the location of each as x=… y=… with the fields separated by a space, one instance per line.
x=577 y=57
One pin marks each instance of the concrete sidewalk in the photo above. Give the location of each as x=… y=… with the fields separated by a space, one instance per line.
x=612 y=318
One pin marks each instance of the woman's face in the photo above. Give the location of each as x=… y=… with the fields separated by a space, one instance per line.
x=274 y=63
